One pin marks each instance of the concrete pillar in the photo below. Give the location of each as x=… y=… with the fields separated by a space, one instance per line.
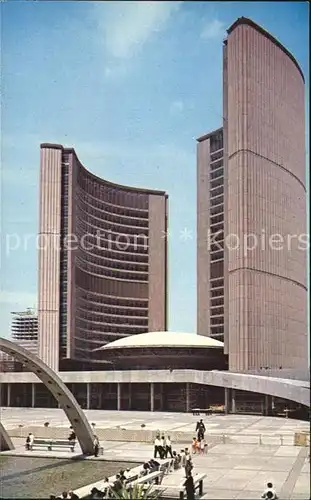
x=233 y=409
x=9 y=395
x=151 y=396
x=266 y=407
x=33 y=395
x=130 y=396
x=118 y=396
x=187 y=397
x=227 y=400
x=161 y=396
x=88 y=396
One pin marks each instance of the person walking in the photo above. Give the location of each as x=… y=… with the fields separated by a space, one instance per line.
x=157 y=447
x=202 y=447
x=194 y=445
x=168 y=447
x=96 y=446
x=200 y=429
x=269 y=492
x=189 y=485
x=188 y=463
x=162 y=447
x=31 y=440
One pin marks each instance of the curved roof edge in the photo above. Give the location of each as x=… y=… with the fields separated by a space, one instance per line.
x=249 y=22
x=46 y=145
x=162 y=339
x=209 y=134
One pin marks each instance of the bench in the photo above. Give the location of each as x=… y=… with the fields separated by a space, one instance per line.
x=153 y=477
x=198 y=485
x=131 y=479
x=50 y=444
x=166 y=466
x=198 y=411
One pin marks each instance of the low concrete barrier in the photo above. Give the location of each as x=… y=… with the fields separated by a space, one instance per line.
x=109 y=434
x=148 y=436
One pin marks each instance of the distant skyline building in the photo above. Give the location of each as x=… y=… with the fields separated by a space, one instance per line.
x=251 y=277
x=102 y=260
x=24 y=329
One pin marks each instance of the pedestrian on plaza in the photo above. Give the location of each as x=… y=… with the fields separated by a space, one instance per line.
x=269 y=492
x=189 y=485
x=157 y=447
x=154 y=465
x=176 y=461
x=183 y=458
x=64 y=495
x=72 y=436
x=162 y=447
x=188 y=463
x=27 y=444
x=96 y=446
x=29 y=441
x=200 y=429
x=168 y=447
x=195 y=445
x=127 y=473
x=202 y=447
x=105 y=487
x=117 y=485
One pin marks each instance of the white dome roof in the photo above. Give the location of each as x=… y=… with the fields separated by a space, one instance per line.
x=163 y=339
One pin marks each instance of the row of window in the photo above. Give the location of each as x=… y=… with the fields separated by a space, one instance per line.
x=120 y=321
x=110 y=286
x=109 y=273
x=116 y=303
x=113 y=195
x=100 y=327
x=110 y=311
x=109 y=239
x=103 y=262
x=96 y=210
x=101 y=226
x=116 y=256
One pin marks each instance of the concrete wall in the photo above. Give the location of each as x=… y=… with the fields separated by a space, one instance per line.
x=49 y=255
x=291 y=390
x=266 y=196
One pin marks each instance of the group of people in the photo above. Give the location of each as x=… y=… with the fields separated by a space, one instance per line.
x=162 y=447
x=70 y=495
x=72 y=438
x=199 y=444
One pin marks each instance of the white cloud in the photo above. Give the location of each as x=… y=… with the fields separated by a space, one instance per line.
x=177 y=107
x=18 y=300
x=126 y=26
x=213 y=30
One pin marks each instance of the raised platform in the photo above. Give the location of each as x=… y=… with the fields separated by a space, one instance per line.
x=238 y=469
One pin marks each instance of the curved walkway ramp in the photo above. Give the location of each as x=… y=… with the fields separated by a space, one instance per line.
x=5 y=440
x=292 y=390
x=59 y=390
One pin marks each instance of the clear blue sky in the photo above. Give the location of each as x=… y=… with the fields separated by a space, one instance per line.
x=130 y=86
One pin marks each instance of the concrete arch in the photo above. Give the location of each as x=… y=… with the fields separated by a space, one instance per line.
x=5 y=440
x=59 y=390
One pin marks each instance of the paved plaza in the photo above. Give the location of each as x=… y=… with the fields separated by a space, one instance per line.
x=234 y=471
x=184 y=422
